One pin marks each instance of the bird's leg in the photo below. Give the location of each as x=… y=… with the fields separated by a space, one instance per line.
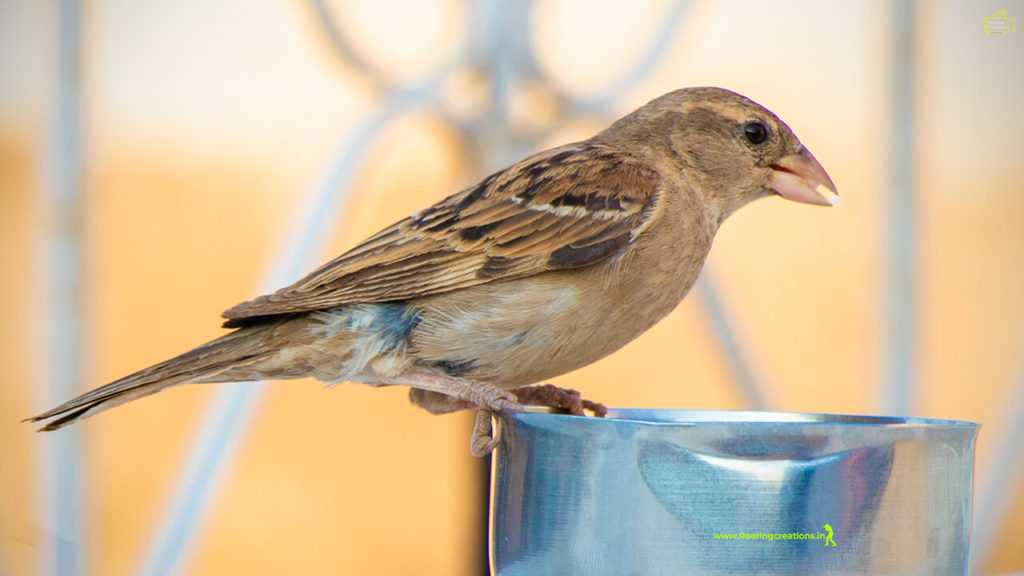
x=559 y=398
x=436 y=403
x=488 y=397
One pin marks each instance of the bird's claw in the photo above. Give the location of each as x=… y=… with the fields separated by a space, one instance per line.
x=486 y=436
x=562 y=399
x=487 y=431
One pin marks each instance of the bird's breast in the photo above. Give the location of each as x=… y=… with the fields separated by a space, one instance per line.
x=527 y=330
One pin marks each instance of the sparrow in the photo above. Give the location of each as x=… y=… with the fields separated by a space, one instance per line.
x=543 y=267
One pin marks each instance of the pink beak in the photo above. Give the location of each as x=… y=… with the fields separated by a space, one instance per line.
x=800 y=178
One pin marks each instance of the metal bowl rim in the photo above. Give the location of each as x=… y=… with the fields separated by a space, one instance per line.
x=665 y=417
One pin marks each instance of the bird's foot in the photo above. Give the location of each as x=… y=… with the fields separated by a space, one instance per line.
x=486 y=435
x=561 y=399
x=463 y=393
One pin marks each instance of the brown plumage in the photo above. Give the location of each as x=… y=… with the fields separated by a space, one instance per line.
x=541 y=268
x=516 y=223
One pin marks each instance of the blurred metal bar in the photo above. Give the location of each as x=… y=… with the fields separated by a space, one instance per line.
x=214 y=448
x=494 y=39
x=495 y=138
x=61 y=313
x=750 y=387
x=348 y=56
x=1001 y=481
x=648 y=61
x=342 y=47
x=900 y=226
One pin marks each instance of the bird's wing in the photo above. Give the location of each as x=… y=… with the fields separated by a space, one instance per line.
x=565 y=208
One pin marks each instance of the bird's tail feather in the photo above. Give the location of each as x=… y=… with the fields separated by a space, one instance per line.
x=239 y=348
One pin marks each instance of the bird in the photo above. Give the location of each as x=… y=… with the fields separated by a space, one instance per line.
x=543 y=267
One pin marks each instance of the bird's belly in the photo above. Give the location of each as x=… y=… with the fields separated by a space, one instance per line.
x=528 y=330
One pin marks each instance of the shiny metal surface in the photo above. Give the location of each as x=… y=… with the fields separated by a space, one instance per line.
x=647 y=491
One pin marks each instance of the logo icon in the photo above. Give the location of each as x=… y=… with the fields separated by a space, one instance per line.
x=828 y=540
x=1000 y=23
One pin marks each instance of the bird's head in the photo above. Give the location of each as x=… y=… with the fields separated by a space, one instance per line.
x=731 y=149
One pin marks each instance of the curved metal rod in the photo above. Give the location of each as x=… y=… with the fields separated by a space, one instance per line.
x=751 y=388
x=653 y=56
x=213 y=448
x=998 y=482
x=348 y=55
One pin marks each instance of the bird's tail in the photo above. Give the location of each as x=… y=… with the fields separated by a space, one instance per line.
x=240 y=348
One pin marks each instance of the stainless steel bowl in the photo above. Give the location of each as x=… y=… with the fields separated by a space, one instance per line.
x=692 y=492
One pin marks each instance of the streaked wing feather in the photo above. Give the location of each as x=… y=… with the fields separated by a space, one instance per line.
x=564 y=208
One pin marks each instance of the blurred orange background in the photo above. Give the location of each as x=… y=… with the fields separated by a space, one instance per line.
x=208 y=125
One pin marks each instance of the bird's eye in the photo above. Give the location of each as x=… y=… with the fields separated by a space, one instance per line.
x=755 y=132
